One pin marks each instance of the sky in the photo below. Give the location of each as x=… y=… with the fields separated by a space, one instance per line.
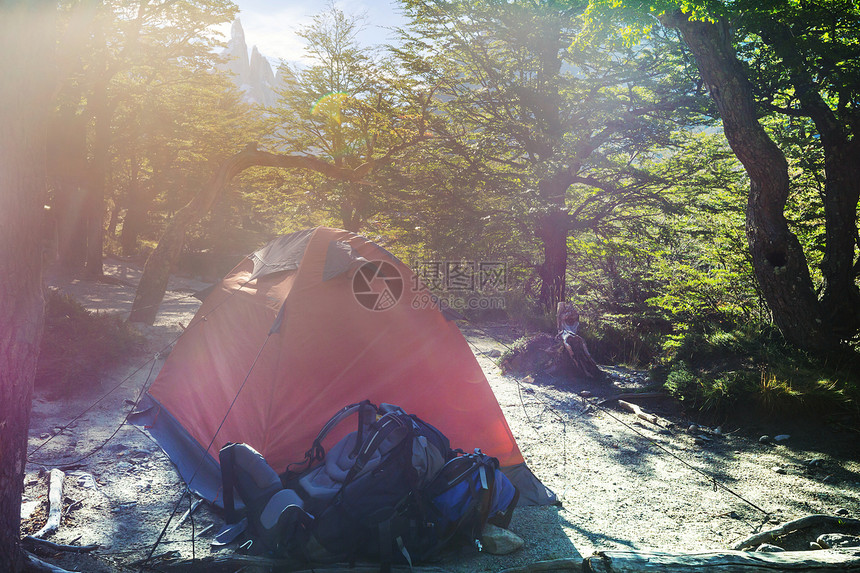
x=271 y=25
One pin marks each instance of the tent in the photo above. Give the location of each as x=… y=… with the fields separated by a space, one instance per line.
x=311 y=322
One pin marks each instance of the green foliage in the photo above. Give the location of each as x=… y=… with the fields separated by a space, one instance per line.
x=751 y=370
x=79 y=345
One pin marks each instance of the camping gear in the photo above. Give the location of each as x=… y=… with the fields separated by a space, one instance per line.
x=469 y=492
x=309 y=322
x=274 y=514
x=392 y=489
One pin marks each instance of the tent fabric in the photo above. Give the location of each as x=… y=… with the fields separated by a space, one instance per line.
x=232 y=377
x=282 y=254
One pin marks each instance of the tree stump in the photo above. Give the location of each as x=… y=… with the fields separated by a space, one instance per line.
x=565 y=354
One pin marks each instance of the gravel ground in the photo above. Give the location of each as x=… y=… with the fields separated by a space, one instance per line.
x=623 y=482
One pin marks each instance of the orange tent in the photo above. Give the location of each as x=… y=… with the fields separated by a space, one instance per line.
x=309 y=323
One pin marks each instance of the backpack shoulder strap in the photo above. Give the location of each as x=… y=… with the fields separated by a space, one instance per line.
x=367 y=413
x=380 y=431
x=227 y=461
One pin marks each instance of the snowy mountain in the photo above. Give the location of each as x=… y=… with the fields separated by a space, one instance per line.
x=253 y=75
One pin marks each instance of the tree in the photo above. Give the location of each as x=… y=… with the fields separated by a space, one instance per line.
x=156 y=271
x=570 y=131
x=27 y=37
x=127 y=50
x=795 y=59
x=348 y=107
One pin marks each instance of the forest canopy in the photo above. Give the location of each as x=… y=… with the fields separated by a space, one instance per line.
x=686 y=173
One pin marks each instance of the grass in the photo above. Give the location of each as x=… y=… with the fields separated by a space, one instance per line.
x=753 y=371
x=78 y=345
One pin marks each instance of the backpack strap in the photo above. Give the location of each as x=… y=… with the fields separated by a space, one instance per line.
x=366 y=410
x=385 y=426
x=487 y=474
x=227 y=460
x=367 y=413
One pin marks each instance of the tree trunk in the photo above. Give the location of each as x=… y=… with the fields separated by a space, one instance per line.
x=26 y=42
x=778 y=261
x=67 y=168
x=95 y=204
x=841 y=298
x=553 y=231
x=156 y=271
x=137 y=207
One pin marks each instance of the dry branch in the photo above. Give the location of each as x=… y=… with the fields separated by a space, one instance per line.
x=640 y=413
x=55 y=501
x=188 y=513
x=824 y=561
x=38 y=566
x=802 y=523
x=35 y=542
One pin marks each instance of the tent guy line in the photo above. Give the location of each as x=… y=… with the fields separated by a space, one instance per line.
x=187 y=489
x=710 y=479
x=150 y=361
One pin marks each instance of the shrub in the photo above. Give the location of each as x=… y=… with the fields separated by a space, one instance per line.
x=753 y=370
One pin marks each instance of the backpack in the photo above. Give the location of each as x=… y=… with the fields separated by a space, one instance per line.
x=468 y=493
x=391 y=490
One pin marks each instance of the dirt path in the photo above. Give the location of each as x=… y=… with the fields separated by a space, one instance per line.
x=622 y=482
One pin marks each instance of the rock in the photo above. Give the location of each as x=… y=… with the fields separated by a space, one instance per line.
x=718 y=431
x=494 y=353
x=123 y=467
x=498 y=541
x=44 y=436
x=693 y=428
x=28 y=507
x=764 y=439
x=834 y=540
x=842 y=511
x=585 y=394
x=781 y=438
x=123 y=507
x=778 y=469
x=814 y=546
x=815 y=462
x=768 y=548
x=85 y=480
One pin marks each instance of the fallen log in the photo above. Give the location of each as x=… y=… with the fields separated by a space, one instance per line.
x=212 y=563
x=633 y=396
x=564 y=564
x=640 y=413
x=823 y=561
x=814 y=520
x=55 y=503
